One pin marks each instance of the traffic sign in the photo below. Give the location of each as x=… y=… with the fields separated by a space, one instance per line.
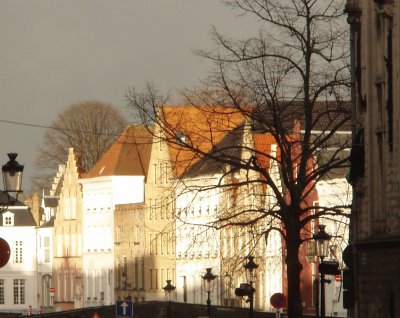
x=124 y=308
x=4 y=252
x=278 y=300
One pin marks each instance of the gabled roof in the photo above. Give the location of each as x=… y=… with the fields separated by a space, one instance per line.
x=326 y=115
x=22 y=215
x=262 y=145
x=50 y=201
x=202 y=127
x=206 y=129
x=228 y=147
x=49 y=223
x=128 y=156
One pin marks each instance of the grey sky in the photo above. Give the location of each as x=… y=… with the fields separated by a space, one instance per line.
x=57 y=52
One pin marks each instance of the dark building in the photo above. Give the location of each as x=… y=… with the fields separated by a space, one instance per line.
x=374 y=290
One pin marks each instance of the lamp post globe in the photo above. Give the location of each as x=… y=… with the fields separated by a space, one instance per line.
x=12 y=175
x=322 y=240
x=251 y=268
x=168 y=289
x=208 y=283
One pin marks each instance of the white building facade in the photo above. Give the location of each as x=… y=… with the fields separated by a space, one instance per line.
x=18 y=278
x=197 y=244
x=100 y=195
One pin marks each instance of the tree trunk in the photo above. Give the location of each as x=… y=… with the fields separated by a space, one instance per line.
x=294 y=268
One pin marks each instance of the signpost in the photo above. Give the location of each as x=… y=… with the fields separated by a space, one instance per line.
x=124 y=308
x=278 y=301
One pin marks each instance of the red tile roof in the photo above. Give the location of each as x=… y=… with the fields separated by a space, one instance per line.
x=128 y=156
x=202 y=127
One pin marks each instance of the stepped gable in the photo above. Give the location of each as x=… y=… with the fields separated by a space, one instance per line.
x=128 y=156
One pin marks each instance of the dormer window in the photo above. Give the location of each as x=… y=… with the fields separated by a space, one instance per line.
x=8 y=219
x=181 y=138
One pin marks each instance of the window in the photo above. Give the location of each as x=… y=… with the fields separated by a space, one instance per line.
x=162 y=208
x=136 y=266
x=46 y=248
x=17 y=251
x=151 y=244
x=67 y=207
x=118 y=235
x=58 y=287
x=180 y=138
x=125 y=265
x=73 y=207
x=1 y=291
x=72 y=285
x=8 y=219
x=151 y=278
x=143 y=278
x=59 y=244
x=155 y=173
x=65 y=286
x=19 y=291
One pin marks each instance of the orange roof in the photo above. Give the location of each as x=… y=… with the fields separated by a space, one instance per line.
x=128 y=156
x=262 y=144
x=201 y=127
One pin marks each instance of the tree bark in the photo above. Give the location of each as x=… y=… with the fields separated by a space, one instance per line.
x=293 y=270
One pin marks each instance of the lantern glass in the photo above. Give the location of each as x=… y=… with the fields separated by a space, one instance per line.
x=12 y=174
x=251 y=269
x=322 y=242
x=322 y=248
x=169 y=290
x=208 y=281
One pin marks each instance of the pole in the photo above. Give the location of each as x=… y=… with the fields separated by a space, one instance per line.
x=169 y=309
x=208 y=305
x=316 y=288
x=251 y=305
x=322 y=295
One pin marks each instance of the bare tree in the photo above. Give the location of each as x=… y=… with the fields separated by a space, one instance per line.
x=290 y=83
x=90 y=127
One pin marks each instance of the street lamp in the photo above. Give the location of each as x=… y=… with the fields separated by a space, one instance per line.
x=251 y=268
x=169 y=289
x=12 y=178
x=208 y=283
x=322 y=238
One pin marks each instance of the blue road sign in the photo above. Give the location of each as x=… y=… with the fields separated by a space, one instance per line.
x=124 y=308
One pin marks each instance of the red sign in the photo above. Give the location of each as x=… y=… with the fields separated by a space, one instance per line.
x=4 y=252
x=278 y=300
x=338 y=278
x=52 y=289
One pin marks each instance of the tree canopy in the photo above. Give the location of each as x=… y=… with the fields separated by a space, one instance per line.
x=90 y=127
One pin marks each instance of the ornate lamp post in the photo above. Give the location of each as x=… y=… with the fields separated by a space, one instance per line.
x=322 y=239
x=12 y=178
x=208 y=283
x=169 y=290
x=251 y=268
